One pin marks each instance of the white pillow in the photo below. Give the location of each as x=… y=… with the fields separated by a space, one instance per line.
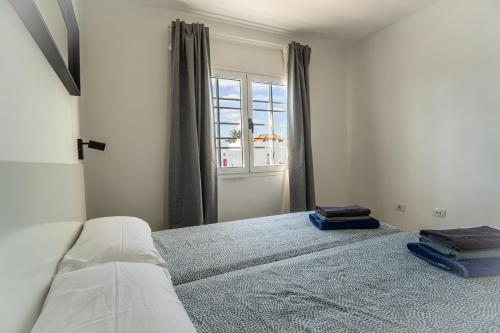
x=115 y=297
x=107 y=239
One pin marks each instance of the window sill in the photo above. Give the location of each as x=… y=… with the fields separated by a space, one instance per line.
x=249 y=174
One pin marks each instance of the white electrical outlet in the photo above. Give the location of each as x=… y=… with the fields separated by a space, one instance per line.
x=400 y=207
x=439 y=212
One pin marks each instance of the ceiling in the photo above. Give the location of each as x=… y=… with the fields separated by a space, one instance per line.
x=343 y=19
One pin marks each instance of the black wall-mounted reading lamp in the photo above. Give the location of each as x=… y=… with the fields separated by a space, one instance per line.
x=91 y=144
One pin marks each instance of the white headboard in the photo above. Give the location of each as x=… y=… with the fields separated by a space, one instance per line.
x=42 y=206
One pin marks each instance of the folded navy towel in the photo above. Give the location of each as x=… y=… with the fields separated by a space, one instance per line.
x=481 y=238
x=345 y=211
x=463 y=268
x=368 y=223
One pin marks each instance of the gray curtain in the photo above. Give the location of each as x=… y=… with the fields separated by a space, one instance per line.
x=192 y=168
x=300 y=162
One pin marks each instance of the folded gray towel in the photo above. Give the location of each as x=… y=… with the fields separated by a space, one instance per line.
x=480 y=238
x=341 y=218
x=344 y=211
x=460 y=255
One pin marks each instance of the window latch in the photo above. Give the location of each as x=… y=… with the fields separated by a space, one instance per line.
x=250 y=124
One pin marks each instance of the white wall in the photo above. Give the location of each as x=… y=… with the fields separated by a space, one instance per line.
x=41 y=182
x=39 y=120
x=125 y=103
x=424 y=109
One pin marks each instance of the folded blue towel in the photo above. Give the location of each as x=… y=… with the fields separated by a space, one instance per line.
x=464 y=268
x=368 y=223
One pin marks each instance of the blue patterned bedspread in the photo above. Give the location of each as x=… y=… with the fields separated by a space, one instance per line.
x=375 y=285
x=199 y=252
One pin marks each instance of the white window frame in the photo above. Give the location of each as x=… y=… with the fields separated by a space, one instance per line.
x=267 y=80
x=244 y=120
x=247 y=142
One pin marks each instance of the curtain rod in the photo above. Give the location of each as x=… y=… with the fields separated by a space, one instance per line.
x=246 y=40
x=220 y=36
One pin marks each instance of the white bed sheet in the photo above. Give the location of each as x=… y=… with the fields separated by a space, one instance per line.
x=113 y=297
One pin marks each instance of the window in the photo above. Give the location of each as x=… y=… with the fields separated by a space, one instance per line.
x=250 y=133
x=269 y=123
x=228 y=120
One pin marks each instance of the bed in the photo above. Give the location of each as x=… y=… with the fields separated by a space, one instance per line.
x=273 y=274
x=200 y=252
x=373 y=285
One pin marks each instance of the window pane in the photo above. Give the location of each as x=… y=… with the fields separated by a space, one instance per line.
x=279 y=107
x=262 y=118
x=263 y=156
x=260 y=91
x=262 y=133
x=231 y=138
x=280 y=152
x=229 y=103
x=229 y=88
x=259 y=143
x=231 y=158
x=214 y=102
x=227 y=122
x=270 y=127
x=230 y=131
x=263 y=146
x=230 y=143
x=261 y=106
x=279 y=93
x=230 y=116
x=280 y=124
x=227 y=142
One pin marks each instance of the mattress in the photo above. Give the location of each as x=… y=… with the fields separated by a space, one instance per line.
x=199 y=252
x=375 y=285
